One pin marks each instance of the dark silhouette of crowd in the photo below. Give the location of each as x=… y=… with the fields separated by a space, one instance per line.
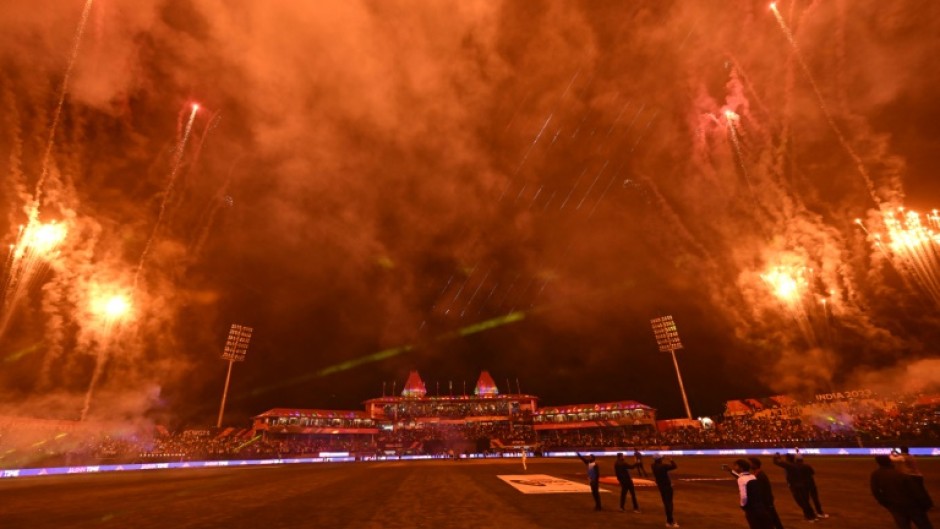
x=867 y=423
x=863 y=422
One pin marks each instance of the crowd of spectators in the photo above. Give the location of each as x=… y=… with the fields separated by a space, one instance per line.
x=446 y=409
x=850 y=423
x=860 y=422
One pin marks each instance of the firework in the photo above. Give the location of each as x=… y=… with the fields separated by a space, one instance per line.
x=47 y=155
x=174 y=171
x=731 y=117
x=797 y=289
x=787 y=283
x=109 y=305
x=911 y=245
x=869 y=184
x=42 y=239
x=36 y=246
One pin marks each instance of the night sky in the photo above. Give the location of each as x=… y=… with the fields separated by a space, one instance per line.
x=365 y=181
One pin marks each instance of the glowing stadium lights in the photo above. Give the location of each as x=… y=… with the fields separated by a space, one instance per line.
x=236 y=348
x=667 y=338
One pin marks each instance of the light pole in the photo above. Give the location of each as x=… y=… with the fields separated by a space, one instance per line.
x=236 y=347
x=667 y=337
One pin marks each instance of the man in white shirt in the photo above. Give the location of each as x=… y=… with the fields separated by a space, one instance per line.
x=755 y=512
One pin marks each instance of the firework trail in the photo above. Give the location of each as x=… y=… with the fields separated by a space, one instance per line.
x=212 y=123
x=174 y=171
x=754 y=96
x=730 y=118
x=617 y=119
x=36 y=243
x=526 y=156
x=542 y=190
x=47 y=155
x=617 y=173
x=100 y=359
x=591 y=187
x=535 y=197
x=521 y=191
x=509 y=296
x=222 y=198
x=575 y=186
x=859 y=164
x=516 y=111
x=512 y=285
x=541 y=131
x=571 y=83
x=475 y=292
x=488 y=296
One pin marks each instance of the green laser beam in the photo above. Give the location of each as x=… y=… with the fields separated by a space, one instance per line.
x=252 y=440
x=16 y=355
x=385 y=354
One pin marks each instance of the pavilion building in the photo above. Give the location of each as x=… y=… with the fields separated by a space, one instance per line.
x=487 y=418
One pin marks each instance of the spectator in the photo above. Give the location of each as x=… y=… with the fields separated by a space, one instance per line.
x=796 y=480
x=755 y=511
x=809 y=476
x=766 y=492
x=622 y=471
x=899 y=493
x=594 y=476
x=661 y=475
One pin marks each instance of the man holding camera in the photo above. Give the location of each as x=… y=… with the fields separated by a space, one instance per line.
x=799 y=487
x=752 y=500
x=661 y=475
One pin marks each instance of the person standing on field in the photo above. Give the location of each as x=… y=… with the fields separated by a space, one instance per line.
x=594 y=478
x=661 y=475
x=622 y=471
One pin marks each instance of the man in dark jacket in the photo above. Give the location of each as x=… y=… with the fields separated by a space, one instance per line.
x=751 y=500
x=594 y=477
x=809 y=478
x=796 y=480
x=622 y=471
x=900 y=494
x=661 y=475
x=766 y=492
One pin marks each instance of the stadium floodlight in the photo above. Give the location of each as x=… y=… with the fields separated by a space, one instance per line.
x=236 y=347
x=667 y=338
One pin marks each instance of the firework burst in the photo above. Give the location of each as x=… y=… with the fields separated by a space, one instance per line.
x=911 y=243
x=37 y=245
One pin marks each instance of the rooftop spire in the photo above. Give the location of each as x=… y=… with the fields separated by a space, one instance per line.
x=414 y=386
x=485 y=385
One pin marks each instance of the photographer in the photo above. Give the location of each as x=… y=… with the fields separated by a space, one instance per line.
x=661 y=475
x=796 y=480
x=752 y=501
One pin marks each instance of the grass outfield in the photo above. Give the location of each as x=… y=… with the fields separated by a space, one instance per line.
x=431 y=494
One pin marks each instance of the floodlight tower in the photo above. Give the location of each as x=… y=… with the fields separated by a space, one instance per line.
x=236 y=347
x=667 y=337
